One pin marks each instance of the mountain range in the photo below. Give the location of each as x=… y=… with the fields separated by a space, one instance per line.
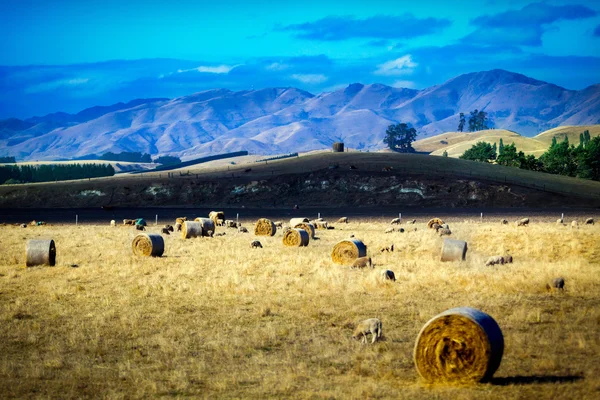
x=283 y=120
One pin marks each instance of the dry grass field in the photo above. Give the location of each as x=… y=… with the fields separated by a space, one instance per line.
x=214 y=318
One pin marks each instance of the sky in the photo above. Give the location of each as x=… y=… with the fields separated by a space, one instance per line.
x=66 y=55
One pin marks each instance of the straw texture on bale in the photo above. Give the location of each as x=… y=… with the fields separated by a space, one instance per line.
x=180 y=220
x=460 y=345
x=308 y=227
x=454 y=250
x=296 y=221
x=40 y=252
x=191 y=229
x=434 y=221
x=295 y=238
x=215 y=215
x=265 y=227
x=207 y=225
x=148 y=245
x=346 y=251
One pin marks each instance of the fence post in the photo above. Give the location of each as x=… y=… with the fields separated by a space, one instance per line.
x=76 y=219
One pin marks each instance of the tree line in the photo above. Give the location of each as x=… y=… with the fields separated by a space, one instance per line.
x=478 y=121
x=11 y=174
x=561 y=158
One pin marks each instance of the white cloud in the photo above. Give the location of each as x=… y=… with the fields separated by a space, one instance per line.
x=404 y=84
x=276 y=66
x=52 y=85
x=310 y=78
x=216 y=69
x=400 y=66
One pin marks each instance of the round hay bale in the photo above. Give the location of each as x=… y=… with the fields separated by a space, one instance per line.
x=460 y=345
x=346 y=251
x=40 y=252
x=215 y=215
x=338 y=147
x=207 y=225
x=296 y=221
x=265 y=227
x=308 y=227
x=191 y=229
x=295 y=238
x=148 y=245
x=434 y=221
x=454 y=250
x=180 y=220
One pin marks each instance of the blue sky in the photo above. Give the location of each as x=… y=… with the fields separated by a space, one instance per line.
x=66 y=55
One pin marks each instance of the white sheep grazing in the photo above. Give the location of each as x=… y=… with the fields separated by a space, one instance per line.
x=372 y=326
x=495 y=260
x=113 y=223
x=388 y=275
x=389 y=230
x=414 y=221
x=523 y=222
x=363 y=262
x=220 y=222
x=343 y=220
x=559 y=221
x=395 y=221
x=574 y=224
x=589 y=221
x=230 y=224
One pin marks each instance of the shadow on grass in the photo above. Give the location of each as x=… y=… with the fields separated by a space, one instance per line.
x=528 y=380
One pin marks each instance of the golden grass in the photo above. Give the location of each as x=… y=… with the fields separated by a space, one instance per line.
x=214 y=319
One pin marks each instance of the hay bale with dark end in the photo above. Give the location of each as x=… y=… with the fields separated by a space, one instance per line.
x=295 y=238
x=40 y=252
x=338 y=147
x=180 y=220
x=493 y=260
x=148 y=245
x=191 y=229
x=589 y=221
x=308 y=227
x=523 y=222
x=388 y=275
x=346 y=251
x=207 y=225
x=320 y=224
x=454 y=250
x=296 y=221
x=265 y=227
x=129 y=222
x=556 y=284
x=460 y=345
x=559 y=221
x=343 y=220
x=362 y=262
x=216 y=215
x=434 y=221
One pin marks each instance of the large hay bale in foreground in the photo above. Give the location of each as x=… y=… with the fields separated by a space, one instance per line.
x=148 y=245
x=346 y=251
x=454 y=250
x=296 y=221
x=265 y=227
x=460 y=345
x=434 y=221
x=215 y=215
x=338 y=147
x=295 y=238
x=207 y=225
x=40 y=252
x=191 y=229
x=308 y=227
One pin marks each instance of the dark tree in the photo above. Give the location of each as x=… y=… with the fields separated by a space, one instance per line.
x=167 y=160
x=481 y=151
x=399 y=138
x=473 y=121
x=461 y=122
x=500 y=147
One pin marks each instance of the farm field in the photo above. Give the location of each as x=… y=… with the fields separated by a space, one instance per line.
x=214 y=318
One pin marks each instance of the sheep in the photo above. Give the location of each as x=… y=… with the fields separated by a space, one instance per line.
x=169 y=228
x=523 y=222
x=362 y=262
x=220 y=222
x=395 y=221
x=508 y=259
x=389 y=249
x=589 y=221
x=559 y=221
x=279 y=224
x=23 y=225
x=180 y=220
x=140 y=227
x=129 y=222
x=165 y=231
x=444 y=226
x=230 y=224
x=242 y=229
x=343 y=220
x=444 y=232
x=389 y=230
x=493 y=260
x=574 y=224
x=255 y=245
x=113 y=222
x=435 y=226
x=504 y=222
x=414 y=221
x=372 y=326
x=388 y=275
x=556 y=284
x=220 y=234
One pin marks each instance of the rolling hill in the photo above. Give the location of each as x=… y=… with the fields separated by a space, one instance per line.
x=283 y=120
